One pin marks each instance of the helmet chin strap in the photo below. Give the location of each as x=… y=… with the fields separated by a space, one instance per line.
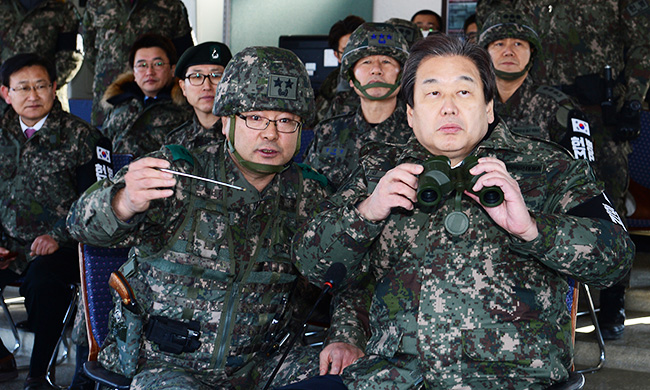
x=252 y=166
x=363 y=88
x=509 y=76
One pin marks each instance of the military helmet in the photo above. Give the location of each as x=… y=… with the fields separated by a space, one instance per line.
x=265 y=78
x=503 y=23
x=373 y=39
x=409 y=30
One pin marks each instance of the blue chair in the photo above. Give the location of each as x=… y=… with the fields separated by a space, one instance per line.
x=96 y=265
x=639 y=161
x=306 y=137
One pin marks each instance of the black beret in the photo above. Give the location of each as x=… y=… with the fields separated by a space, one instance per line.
x=214 y=53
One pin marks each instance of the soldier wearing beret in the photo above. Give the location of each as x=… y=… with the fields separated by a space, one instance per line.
x=472 y=269
x=198 y=72
x=210 y=261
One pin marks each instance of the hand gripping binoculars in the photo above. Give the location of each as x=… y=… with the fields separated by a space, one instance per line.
x=439 y=179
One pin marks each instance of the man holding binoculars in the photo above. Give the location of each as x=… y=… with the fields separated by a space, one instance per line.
x=471 y=286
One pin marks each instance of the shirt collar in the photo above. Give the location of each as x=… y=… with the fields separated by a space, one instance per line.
x=36 y=127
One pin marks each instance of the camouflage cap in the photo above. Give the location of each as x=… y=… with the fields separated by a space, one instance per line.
x=409 y=30
x=214 y=53
x=265 y=78
x=502 y=24
x=373 y=39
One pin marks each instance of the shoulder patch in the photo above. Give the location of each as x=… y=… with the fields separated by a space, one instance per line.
x=311 y=173
x=179 y=152
x=554 y=93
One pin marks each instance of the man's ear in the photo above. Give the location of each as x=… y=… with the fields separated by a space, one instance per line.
x=490 y=111
x=181 y=83
x=225 y=125
x=4 y=93
x=409 y=115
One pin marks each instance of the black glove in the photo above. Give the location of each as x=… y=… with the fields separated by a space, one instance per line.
x=629 y=121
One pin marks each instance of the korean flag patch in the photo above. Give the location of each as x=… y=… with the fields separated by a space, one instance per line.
x=103 y=154
x=580 y=126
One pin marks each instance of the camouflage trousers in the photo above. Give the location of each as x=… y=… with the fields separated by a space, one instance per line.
x=301 y=363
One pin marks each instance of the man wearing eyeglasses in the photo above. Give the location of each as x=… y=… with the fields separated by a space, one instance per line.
x=145 y=103
x=47 y=157
x=212 y=259
x=199 y=70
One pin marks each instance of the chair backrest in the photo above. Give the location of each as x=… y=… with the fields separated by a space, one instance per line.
x=639 y=161
x=120 y=160
x=306 y=137
x=96 y=266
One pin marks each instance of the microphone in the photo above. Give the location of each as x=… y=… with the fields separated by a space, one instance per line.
x=334 y=276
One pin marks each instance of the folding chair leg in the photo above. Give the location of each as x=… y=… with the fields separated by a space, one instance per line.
x=11 y=322
x=69 y=316
x=599 y=335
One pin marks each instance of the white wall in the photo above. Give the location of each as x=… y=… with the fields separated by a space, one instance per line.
x=386 y=9
x=206 y=18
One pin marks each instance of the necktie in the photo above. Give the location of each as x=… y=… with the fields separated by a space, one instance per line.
x=29 y=132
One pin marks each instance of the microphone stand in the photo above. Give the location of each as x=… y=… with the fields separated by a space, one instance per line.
x=328 y=287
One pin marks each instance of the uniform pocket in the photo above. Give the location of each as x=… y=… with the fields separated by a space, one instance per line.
x=209 y=232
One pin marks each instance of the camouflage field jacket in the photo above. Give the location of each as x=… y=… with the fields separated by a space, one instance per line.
x=49 y=29
x=338 y=141
x=209 y=253
x=138 y=128
x=38 y=178
x=482 y=310
x=192 y=134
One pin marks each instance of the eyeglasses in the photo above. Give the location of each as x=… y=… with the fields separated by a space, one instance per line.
x=284 y=125
x=142 y=66
x=24 y=90
x=197 y=79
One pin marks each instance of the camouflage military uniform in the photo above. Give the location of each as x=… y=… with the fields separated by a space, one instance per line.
x=209 y=253
x=39 y=181
x=326 y=93
x=481 y=310
x=109 y=29
x=335 y=151
x=539 y=111
x=49 y=29
x=579 y=40
x=192 y=135
x=137 y=127
x=530 y=112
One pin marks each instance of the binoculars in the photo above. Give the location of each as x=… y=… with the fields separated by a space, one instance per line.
x=439 y=179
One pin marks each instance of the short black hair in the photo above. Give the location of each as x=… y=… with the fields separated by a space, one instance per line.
x=23 y=60
x=442 y=45
x=343 y=27
x=429 y=12
x=153 y=40
x=470 y=19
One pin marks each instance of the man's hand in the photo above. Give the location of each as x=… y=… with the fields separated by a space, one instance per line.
x=336 y=356
x=7 y=257
x=144 y=183
x=398 y=188
x=44 y=245
x=512 y=214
